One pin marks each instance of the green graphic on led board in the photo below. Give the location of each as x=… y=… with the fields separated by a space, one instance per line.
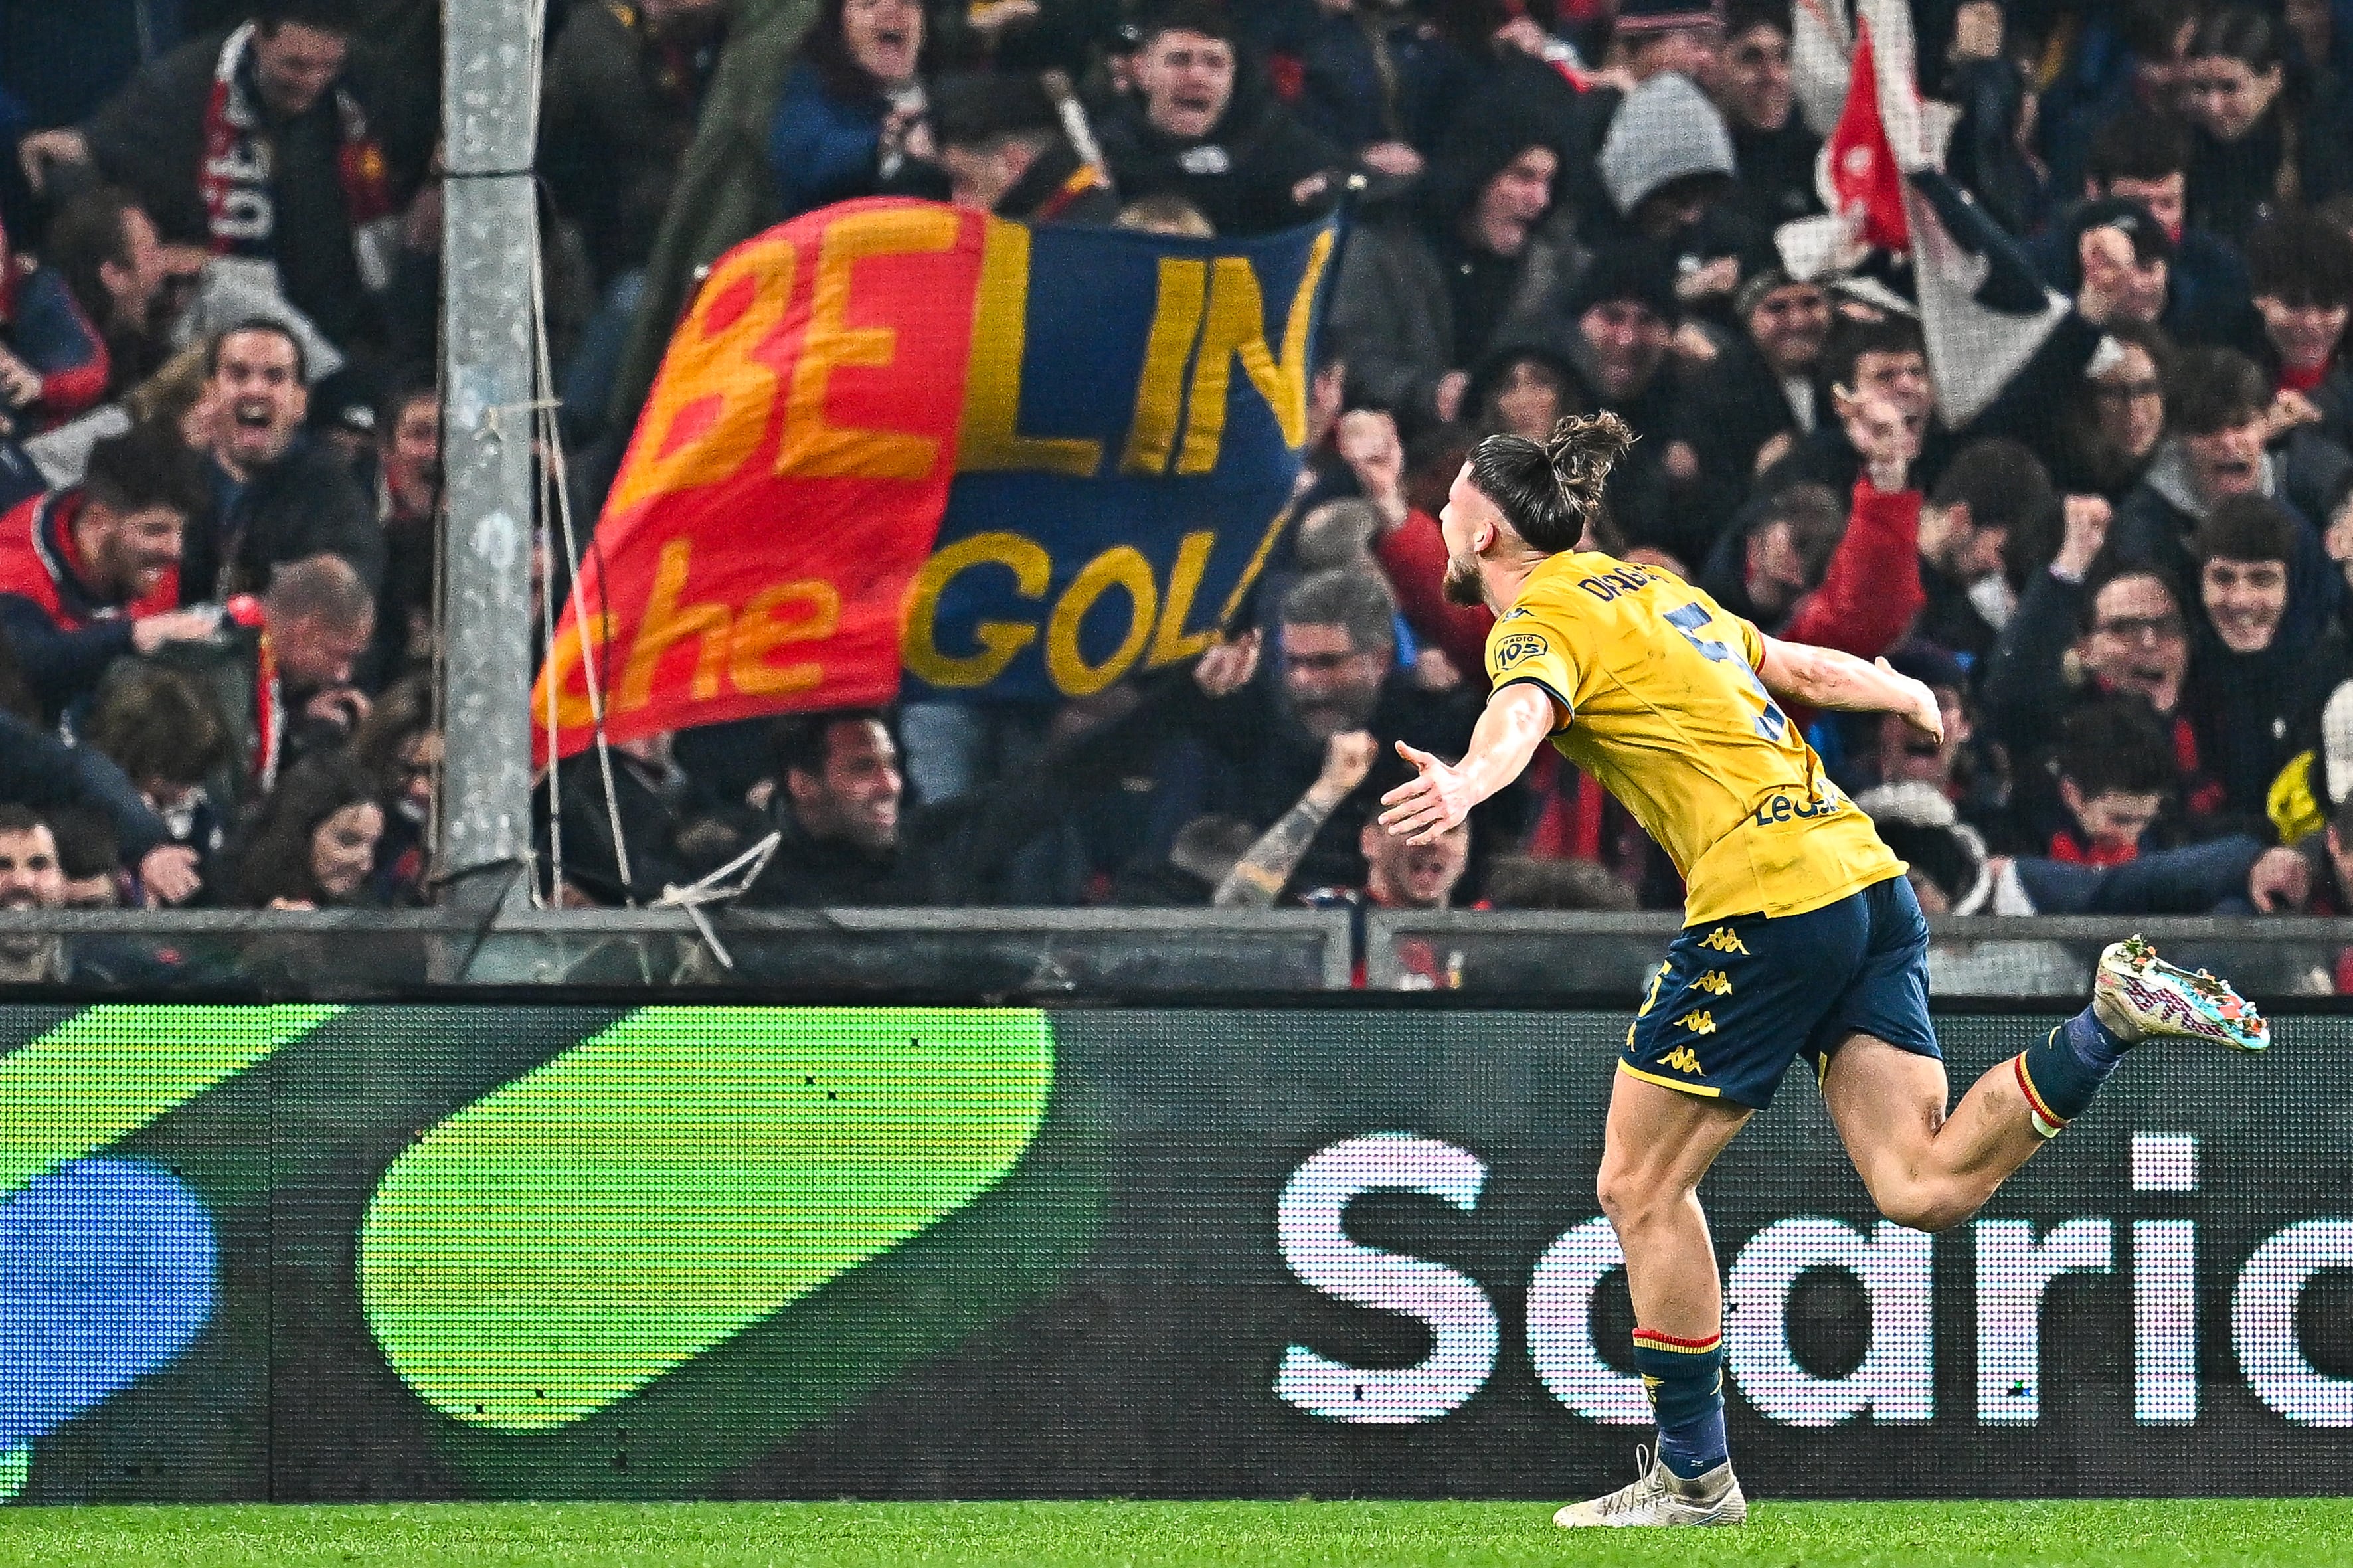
x=684 y=1173
x=106 y=1072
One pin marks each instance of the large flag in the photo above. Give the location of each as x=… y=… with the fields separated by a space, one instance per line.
x=1983 y=310
x=897 y=444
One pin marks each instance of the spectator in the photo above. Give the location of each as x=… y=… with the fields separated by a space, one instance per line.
x=281 y=495
x=1667 y=164
x=1003 y=146
x=1776 y=553
x=624 y=89
x=2142 y=283
x=1235 y=153
x=1991 y=491
x=2150 y=40
x=654 y=799
x=105 y=246
x=2266 y=141
x=1772 y=146
x=1623 y=311
x=2108 y=433
x=91 y=573
x=837 y=801
x=1743 y=411
x=53 y=363
x=2219 y=419
x=1522 y=389
x=2131 y=639
x=30 y=879
x=2301 y=272
x=1360 y=66
x=1264 y=743
x=258 y=144
x=850 y=113
x=312 y=843
x=280 y=672
x=2144 y=156
x=399 y=745
x=1886 y=358
x=2264 y=659
x=1428 y=292
x=2115 y=772
x=165 y=733
x=1485 y=53
x=1957 y=768
x=408 y=510
x=1409 y=547
x=1265 y=868
x=39 y=771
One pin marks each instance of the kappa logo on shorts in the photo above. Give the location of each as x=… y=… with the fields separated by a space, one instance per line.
x=1714 y=983
x=1698 y=1023
x=1682 y=1059
x=1519 y=648
x=1724 y=939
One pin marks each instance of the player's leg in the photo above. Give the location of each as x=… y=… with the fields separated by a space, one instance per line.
x=1660 y=1142
x=1922 y=1167
x=1930 y=1170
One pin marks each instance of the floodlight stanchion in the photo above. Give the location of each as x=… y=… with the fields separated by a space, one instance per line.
x=490 y=248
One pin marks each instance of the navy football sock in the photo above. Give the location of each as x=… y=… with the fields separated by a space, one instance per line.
x=2061 y=1075
x=1685 y=1381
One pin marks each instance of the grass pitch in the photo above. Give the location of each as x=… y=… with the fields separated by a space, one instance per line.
x=2306 y=1532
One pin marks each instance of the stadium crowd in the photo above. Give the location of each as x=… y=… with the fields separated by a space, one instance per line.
x=2127 y=575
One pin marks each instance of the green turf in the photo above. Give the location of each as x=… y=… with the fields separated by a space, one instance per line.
x=1261 y=1536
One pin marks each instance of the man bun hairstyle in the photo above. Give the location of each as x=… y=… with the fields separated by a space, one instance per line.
x=1549 y=492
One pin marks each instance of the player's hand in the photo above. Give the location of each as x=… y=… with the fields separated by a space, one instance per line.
x=168 y=873
x=1921 y=709
x=2280 y=881
x=1347 y=758
x=1228 y=668
x=1438 y=800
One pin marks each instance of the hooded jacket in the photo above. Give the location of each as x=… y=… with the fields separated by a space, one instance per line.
x=1393 y=316
x=2154 y=525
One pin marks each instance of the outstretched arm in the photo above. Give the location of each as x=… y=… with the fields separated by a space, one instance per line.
x=1517 y=720
x=1824 y=678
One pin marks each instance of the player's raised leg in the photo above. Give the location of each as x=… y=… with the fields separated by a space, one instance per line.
x=1660 y=1142
x=1929 y=1171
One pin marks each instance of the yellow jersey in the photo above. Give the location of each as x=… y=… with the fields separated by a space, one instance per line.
x=1656 y=695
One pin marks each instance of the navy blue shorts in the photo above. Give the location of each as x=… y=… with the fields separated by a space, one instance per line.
x=1739 y=1000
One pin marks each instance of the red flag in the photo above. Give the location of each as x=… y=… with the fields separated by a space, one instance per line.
x=1863 y=165
x=748 y=562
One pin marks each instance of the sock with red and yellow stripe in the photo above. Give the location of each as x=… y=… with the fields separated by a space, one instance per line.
x=1684 y=1378
x=2061 y=1075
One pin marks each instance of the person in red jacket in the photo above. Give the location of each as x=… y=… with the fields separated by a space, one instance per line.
x=53 y=363
x=91 y=573
x=1871 y=594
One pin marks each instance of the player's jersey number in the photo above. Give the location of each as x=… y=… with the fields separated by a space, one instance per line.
x=1691 y=620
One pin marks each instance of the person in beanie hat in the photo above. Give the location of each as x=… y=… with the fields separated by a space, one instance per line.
x=1621 y=314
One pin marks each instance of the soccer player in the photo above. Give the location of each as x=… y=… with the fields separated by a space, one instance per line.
x=1800 y=933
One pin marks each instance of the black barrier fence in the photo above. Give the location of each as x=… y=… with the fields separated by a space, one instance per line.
x=1105 y=957
x=309 y=1252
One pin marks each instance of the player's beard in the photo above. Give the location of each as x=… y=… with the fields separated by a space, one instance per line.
x=1462 y=584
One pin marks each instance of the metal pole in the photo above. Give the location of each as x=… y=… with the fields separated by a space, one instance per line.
x=487 y=252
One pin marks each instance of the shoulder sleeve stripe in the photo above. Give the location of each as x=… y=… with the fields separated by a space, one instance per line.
x=1567 y=709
